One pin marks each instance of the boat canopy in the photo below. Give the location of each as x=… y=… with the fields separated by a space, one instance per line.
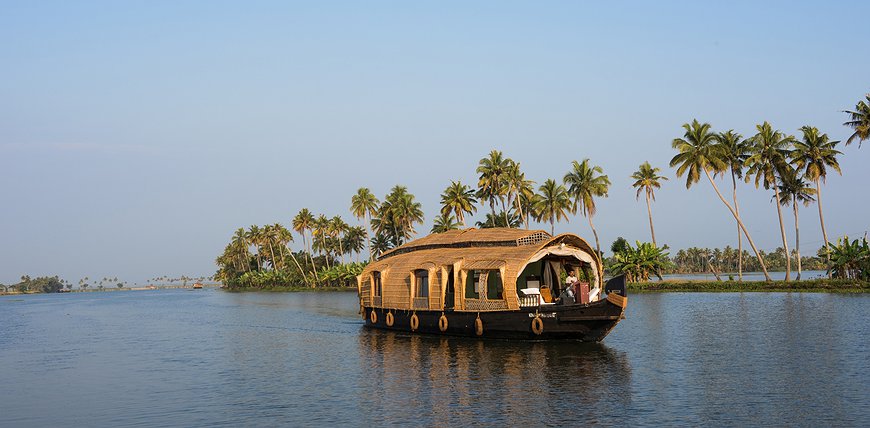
x=469 y=269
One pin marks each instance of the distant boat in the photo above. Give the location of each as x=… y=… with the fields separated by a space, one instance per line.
x=197 y=285
x=498 y=283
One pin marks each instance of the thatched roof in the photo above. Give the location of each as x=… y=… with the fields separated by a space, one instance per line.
x=493 y=237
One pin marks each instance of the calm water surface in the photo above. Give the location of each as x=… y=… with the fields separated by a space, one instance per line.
x=210 y=358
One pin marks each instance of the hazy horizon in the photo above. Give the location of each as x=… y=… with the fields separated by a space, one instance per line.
x=136 y=137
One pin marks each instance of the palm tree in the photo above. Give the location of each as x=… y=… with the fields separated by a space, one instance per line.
x=793 y=189
x=320 y=228
x=519 y=190
x=859 y=121
x=734 y=151
x=268 y=238
x=406 y=212
x=459 y=200
x=284 y=238
x=240 y=250
x=444 y=222
x=814 y=155
x=380 y=244
x=512 y=221
x=647 y=180
x=336 y=229
x=491 y=182
x=303 y=222
x=697 y=153
x=397 y=215
x=254 y=236
x=585 y=183
x=766 y=162
x=363 y=205
x=552 y=204
x=354 y=240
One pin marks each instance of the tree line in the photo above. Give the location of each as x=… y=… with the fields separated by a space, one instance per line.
x=793 y=168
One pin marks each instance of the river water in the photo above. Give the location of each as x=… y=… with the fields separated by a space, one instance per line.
x=212 y=358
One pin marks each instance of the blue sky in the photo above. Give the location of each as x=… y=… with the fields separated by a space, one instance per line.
x=136 y=136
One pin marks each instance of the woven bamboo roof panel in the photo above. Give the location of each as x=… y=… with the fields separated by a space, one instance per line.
x=493 y=237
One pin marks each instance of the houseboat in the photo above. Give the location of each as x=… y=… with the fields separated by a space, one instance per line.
x=493 y=283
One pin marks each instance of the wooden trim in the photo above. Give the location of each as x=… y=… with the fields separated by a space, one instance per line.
x=617 y=300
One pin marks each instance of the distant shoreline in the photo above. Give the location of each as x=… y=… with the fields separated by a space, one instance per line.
x=807 y=286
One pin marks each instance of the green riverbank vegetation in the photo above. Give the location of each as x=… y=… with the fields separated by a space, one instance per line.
x=793 y=169
x=812 y=285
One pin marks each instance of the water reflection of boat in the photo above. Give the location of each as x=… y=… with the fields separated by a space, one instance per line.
x=441 y=381
x=497 y=283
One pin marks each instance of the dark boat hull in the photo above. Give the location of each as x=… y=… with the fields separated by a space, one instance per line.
x=587 y=323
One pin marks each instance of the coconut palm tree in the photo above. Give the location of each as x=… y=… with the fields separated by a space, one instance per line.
x=512 y=221
x=354 y=240
x=380 y=244
x=793 y=189
x=767 y=161
x=363 y=205
x=444 y=222
x=254 y=236
x=734 y=150
x=459 y=200
x=397 y=215
x=585 y=182
x=647 y=179
x=336 y=229
x=268 y=239
x=284 y=238
x=303 y=222
x=240 y=250
x=320 y=229
x=406 y=213
x=518 y=190
x=859 y=121
x=698 y=153
x=814 y=154
x=491 y=181
x=552 y=204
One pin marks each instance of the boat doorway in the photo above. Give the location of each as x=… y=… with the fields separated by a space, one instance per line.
x=450 y=292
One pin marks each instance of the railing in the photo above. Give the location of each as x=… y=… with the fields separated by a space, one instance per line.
x=485 y=305
x=377 y=301
x=421 y=303
x=532 y=300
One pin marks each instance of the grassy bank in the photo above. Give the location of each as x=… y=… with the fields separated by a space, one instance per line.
x=815 y=285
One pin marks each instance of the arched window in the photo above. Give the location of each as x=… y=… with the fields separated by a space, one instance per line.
x=376 y=284
x=422 y=282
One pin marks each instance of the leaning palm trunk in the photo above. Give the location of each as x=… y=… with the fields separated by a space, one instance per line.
x=649 y=213
x=368 y=238
x=301 y=271
x=797 y=240
x=308 y=245
x=272 y=253
x=324 y=250
x=824 y=234
x=594 y=233
x=782 y=232
x=519 y=206
x=740 y=223
x=739 y=238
